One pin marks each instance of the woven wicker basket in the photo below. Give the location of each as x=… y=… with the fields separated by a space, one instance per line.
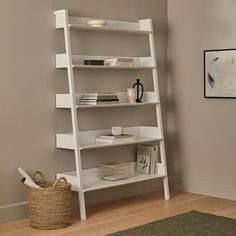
x=50 y=205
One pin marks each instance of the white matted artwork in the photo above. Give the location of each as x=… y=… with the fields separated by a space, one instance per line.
x=220 y=73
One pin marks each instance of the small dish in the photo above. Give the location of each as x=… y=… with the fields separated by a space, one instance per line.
x=97 y=23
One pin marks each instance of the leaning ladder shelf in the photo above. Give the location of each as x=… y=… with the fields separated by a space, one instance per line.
x=85 y=180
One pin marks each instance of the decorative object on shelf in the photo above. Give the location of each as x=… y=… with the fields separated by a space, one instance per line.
x=138 y=95
x=27 y=179
x=220 y=73
x=110 y=138
x=147 y=159
x=131 y=94
x=119 y=61
x=97 y=23
x=94 y=62
x=99 y=99
x=116 y=130
x=114 y=171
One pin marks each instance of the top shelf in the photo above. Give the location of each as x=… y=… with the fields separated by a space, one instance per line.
x=81 y=23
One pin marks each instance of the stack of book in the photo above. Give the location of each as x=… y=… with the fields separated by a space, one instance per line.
x=99 y=98
x=119 y=61
x=110 y=138
x=147 y=159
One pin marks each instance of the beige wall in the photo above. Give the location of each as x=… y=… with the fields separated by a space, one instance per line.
x=29 y=82
x=201 y=132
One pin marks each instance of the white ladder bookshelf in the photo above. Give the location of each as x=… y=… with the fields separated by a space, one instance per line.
x=85 y=180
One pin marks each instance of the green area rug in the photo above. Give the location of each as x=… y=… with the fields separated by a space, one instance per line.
x=188 y=224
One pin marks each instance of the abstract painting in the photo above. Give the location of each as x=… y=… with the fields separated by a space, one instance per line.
x=220 y=73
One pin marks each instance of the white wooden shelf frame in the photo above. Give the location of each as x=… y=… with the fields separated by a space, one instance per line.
x=81 y=23
x=64 y=101
x=93 y=182
x=87 y=139
x=78 y=62
x=87 y=180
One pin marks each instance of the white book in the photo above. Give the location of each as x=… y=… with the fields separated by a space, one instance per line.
x=113 y=63
x=152 y=152
x=144 y=154
x=153 y=158
x=98 y=94
x=118 y=140
x=117 y=137
x=156 y=159
x=119 y=59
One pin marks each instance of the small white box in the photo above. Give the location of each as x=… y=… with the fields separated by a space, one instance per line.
x=114 y=171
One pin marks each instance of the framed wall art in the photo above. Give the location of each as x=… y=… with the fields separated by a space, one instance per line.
x=220 y=73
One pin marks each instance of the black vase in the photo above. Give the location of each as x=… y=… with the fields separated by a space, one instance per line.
x=139 y=90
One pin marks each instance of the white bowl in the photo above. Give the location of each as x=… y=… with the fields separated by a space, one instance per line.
x=97 y=23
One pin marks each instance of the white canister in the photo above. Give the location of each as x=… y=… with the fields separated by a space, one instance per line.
x=117 y=130
x=131 y=94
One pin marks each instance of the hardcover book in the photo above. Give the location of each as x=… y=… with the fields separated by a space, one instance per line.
x=143 y=159
x=147 y=159
x=109 y=138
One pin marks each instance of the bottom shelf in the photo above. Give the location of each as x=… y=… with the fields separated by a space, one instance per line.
x=93 y=182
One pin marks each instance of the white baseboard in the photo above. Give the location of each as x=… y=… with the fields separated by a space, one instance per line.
x=19 y=210
x=13 y=211
x=13 y=205
x=202 y=187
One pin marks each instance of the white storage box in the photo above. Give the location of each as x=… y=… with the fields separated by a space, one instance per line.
x=114 y=171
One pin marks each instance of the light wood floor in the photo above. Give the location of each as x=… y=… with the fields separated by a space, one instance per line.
x=125 y=213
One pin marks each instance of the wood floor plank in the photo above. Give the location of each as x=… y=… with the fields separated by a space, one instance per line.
x=121 y=214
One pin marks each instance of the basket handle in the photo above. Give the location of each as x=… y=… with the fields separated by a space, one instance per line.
x=38 y=173
x=57 y=181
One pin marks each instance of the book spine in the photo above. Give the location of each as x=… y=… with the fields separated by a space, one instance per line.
x=94 y=62
x=107 y=100
x=157 y=158
x=107 y=97
x=98 y=94
x=152 y=168
x=130 y=139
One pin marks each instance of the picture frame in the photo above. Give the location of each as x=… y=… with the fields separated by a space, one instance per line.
x=220 y=73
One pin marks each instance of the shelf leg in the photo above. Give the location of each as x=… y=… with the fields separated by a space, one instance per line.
x=158 y=113
x=163 y=161
x=166 y=188
x=74 y=119
x=82 y=205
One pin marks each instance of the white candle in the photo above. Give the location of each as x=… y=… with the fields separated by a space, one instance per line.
x=131 y=94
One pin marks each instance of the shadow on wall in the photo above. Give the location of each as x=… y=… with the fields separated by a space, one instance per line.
x=174 y=152
x=225 y=13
